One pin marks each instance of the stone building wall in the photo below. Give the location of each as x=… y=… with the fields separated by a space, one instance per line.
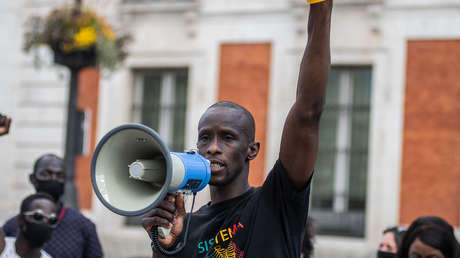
x=190 y=33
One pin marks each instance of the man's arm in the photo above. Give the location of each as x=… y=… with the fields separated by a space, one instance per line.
x=299 y=142
x=10 y=228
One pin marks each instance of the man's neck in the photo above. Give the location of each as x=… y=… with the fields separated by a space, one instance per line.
x=24 y=249
x=226 y=192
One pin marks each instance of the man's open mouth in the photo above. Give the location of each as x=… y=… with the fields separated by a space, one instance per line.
x=216 y=165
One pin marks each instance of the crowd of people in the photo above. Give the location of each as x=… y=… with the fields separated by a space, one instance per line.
x=240 y=220
x=45 y=226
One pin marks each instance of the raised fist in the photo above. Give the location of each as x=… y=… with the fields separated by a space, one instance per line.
x=5 y=123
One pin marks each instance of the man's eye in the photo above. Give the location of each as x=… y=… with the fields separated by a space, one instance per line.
x=203 y=138
x=229 y=137
x=45 y=174
x=38 y=216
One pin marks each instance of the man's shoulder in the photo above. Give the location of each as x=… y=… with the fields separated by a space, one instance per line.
x=10 y=228
x=278 y=166
x=278 y=174
x=11 y=221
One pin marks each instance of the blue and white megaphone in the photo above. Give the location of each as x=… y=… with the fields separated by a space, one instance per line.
x=132 y=170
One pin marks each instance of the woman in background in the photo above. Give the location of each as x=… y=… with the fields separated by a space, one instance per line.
x=429 y=237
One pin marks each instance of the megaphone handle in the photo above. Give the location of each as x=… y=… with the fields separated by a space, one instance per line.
x=163 y=232
x=156 y=247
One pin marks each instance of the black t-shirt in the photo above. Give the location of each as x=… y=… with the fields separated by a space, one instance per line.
x=268 y=221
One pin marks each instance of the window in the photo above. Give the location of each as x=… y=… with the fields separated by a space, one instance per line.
x=338 y=201
x=160 y=100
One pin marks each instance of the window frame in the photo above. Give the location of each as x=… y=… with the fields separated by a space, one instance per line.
x=334 y=220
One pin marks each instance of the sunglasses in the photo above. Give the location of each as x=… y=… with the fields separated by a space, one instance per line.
x=41 y=217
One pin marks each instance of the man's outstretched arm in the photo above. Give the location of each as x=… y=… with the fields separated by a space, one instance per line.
x=299 y=142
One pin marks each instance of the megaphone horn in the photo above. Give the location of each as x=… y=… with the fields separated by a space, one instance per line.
x=132 y=170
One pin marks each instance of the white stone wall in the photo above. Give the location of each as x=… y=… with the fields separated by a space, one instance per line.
x=372 y=32
x=35 y=99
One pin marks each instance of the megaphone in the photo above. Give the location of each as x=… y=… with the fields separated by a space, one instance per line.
x=132 y=170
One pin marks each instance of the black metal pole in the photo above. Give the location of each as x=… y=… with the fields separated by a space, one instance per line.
x=70 y=196
x=77 y=7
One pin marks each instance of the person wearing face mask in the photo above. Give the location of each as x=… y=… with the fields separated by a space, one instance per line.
x=389 y=243
x=75 y=235
x=36 y=221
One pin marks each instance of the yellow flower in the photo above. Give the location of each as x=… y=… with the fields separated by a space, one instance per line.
x=86 y=36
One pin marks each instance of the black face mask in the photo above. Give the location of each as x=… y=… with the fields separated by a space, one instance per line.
x=51 y=187
x=381 y=254
x=36 y=234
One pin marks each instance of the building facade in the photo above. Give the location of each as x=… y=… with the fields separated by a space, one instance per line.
x=390 y=141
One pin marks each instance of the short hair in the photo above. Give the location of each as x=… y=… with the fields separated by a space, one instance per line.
x=43 y=158
x=397 y=233
x=246 y=113
x=432 y=231
x=25 y=204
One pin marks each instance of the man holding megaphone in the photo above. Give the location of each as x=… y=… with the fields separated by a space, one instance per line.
x=242 y=221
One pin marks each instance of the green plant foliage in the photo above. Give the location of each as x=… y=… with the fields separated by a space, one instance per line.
x=68 y=30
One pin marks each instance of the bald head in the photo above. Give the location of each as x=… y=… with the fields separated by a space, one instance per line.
x=246 y=121
x=48 y=160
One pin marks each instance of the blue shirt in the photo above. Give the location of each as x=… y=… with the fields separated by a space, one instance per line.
x=74 y=236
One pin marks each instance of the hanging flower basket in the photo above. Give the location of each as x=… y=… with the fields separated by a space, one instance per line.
x=75 y=59
x=77 y=38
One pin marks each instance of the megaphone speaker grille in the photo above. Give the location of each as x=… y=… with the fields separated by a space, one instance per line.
x=110 y=175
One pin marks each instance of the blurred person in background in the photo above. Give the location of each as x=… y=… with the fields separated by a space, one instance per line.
x=429 y=237
x=308 y=239
x=5 y=123
x=75 y=235
x=36 y=221
x=389 y=243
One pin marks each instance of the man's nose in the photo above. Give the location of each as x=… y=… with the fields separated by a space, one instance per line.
x=213 y=146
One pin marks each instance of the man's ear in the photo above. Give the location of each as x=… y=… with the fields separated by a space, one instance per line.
x=33 y=180
x=253 y=150
x=20 y=220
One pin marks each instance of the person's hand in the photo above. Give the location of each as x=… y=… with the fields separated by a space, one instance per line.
x=5 y=123
x=169 y=214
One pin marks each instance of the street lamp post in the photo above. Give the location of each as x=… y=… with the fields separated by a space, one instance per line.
x=75 y=62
